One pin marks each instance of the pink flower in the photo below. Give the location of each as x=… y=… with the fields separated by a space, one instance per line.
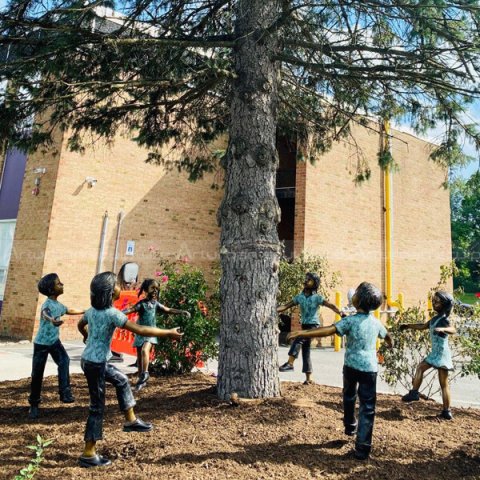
x=185 y=259
x=164 y=279
x=158 y=273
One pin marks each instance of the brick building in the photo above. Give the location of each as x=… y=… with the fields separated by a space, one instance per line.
x=59 y=227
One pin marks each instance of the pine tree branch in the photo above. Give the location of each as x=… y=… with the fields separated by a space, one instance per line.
x=371 y=73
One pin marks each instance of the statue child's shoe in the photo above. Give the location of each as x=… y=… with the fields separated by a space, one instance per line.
x=361 y=454
x=446 y=414
x=142 y=381
x=286 y=367
x=33 y=412
x=411 y=396
x=95 y=461
x=137 y=426
x=67 y=397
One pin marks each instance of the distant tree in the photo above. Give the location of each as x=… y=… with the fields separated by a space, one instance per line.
x=465 y=204
x=178 y=73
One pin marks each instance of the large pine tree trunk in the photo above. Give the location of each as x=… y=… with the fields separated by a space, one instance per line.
x=249 y=214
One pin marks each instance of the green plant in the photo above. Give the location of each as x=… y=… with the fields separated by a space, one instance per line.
x=412 y=346
x=292 y=275
x=32 y=468
x=469 y=341
x=184 y=287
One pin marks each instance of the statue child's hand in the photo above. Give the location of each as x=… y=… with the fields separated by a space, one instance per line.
x=292 y=335
x=175 y=333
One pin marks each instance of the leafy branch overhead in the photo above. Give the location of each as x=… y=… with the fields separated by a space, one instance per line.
x=163 y=70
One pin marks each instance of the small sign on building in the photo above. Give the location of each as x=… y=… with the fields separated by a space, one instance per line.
x=130 y=247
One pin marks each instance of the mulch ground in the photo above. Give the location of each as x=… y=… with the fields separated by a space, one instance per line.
x=196 y=436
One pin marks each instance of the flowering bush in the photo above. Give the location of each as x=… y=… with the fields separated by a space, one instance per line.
x=184 y=287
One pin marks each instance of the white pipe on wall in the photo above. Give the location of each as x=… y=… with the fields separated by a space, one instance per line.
x=102 y=243
x=117 y=240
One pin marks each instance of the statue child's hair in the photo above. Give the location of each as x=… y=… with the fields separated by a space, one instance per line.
x=369 y=297
x=46 y=285
x=316 y=280
x=101 y=290
x=145 y=285
x=447 y=302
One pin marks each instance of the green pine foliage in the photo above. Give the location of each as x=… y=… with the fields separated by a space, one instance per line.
x=163 y=72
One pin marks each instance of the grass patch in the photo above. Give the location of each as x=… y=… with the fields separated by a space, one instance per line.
x=469 y=298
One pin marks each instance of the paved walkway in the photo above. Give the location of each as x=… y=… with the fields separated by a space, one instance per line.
x=16 y=361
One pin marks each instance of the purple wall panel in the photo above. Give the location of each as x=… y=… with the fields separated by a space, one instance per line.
x=11 y=187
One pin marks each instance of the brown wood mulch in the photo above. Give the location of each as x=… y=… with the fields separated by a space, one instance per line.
x=196 y=436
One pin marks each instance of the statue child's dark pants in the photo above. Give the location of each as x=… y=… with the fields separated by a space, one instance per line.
x=365 y=383
x=61 y=358
x=97 y=374
x=304 y=344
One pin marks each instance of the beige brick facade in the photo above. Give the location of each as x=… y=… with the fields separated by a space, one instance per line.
x=59 y=230
x=345 y=222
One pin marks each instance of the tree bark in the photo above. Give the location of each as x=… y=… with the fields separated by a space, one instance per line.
x=249 y=213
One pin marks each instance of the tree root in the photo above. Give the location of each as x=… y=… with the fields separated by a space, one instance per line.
x=236 y=401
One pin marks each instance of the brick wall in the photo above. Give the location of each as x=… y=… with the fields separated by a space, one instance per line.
x=21 y=299
x=59 y=231
x=345 y=222
x=163 y=213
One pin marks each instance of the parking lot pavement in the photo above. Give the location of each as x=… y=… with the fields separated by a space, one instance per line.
x=16 y=363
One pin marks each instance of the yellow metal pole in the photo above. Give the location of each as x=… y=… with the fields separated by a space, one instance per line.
x=388 y=223
x=377 y=315
x=388 y=218
x=337 y=342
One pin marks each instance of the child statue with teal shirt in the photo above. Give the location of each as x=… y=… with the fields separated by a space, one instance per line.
x=309 y=301
x=97 y=327
x=147 y=309
x=360 y=364
x=440 y=357
x=47 y=341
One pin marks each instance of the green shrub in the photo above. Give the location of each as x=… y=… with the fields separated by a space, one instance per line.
x=412 y=346
x=184 y=287
x=469 y=340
